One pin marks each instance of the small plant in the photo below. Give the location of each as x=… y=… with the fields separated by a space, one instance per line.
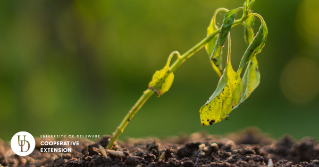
x=231 y=90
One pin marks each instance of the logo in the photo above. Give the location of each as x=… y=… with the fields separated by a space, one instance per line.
x=22 y=143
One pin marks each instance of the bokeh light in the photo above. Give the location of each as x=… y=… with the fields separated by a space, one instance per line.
x=300 y=80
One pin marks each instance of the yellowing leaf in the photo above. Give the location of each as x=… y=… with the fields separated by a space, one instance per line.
x=162 y=80
x=225 y=98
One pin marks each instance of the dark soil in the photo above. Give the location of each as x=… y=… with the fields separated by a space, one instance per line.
x=246 y=148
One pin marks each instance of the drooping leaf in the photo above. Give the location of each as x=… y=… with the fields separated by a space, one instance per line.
x=231 y=91
x=210 y=45
x=248 y=31
x=224 y=30
x=256 y=45
x=162 y=80
x=212 y=28
x=225 y=97
x=251 y=79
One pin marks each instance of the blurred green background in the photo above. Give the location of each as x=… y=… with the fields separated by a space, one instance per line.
x=77 y=67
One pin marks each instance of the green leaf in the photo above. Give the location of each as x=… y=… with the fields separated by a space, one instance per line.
x=225 y=98
x=224 y=30
x=210 y=45
x=256 y=45
x=212 y=28
x=162 y=80
x=248 y=31
x=251 y=79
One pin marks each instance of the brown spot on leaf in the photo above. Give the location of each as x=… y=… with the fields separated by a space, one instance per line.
x=211 y=122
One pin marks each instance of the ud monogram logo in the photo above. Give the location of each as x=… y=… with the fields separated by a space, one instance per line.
x=22 y=143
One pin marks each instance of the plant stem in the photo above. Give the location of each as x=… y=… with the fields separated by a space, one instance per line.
x=193 y=50
x=119 y=130
x=148 y=93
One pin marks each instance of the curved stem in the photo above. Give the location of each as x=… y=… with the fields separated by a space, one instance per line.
x=259 y=16
x=119 y=130
x=148 y=93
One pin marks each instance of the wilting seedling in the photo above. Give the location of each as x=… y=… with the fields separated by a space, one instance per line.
x=231 y=90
